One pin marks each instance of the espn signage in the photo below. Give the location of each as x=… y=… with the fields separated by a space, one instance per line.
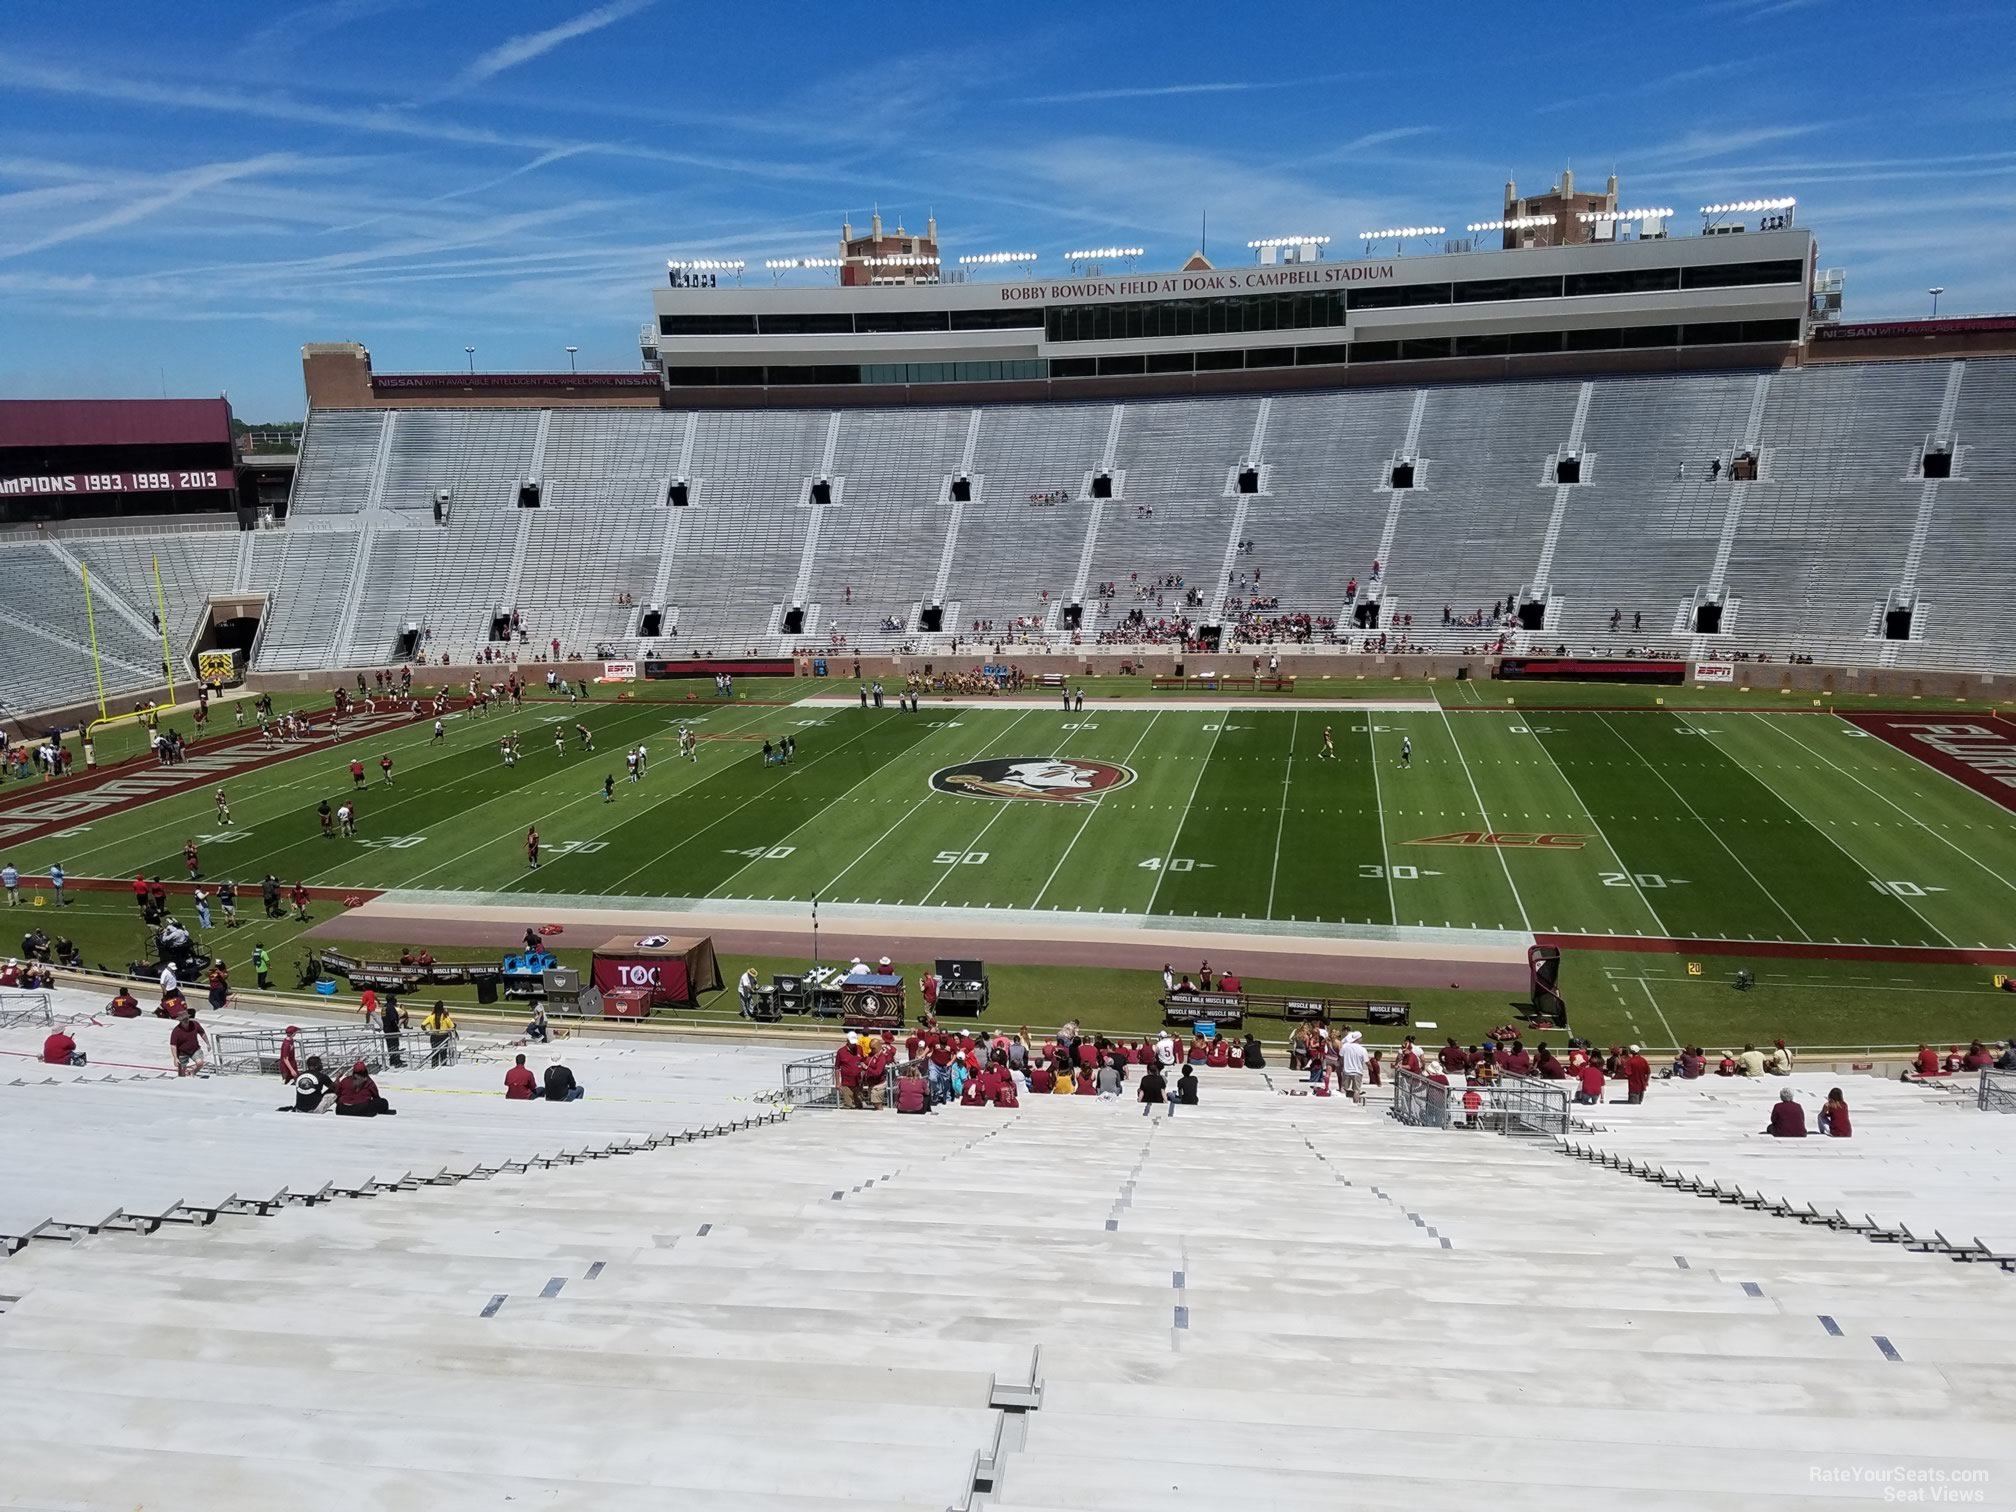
x=1714 y=672
x=1224 y=281
x=120 y=482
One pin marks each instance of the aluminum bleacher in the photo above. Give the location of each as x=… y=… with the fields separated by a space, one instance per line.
x=962 y=1310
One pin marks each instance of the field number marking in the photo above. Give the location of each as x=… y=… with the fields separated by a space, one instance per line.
x=1641 y=879
x=1903 y=889
x=763 y=852
x=1175 y=864
x=1371 y=871
x=577 y=847
x=957 y=858
x=393 y=842
x=1090 y=726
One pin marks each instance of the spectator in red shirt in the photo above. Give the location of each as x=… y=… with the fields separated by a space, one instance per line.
x=1229 y=983
x=1087 y=1055
x=1637 y=1075
x=123 y=1005
x=140 y=890
x=1520 y=1061
x=299 y=898
x=912 y=1044
x=1834 y=1116
x=1409 y=1058
x=912 y=1095
x=1220 y=1053
x=1088 y=1085
x=59 y=1049
x=185 y=1040
x=1591 y=1077
x=1454 y=1057
x=290 y=1066
x=1005 y=1094
x=847 y=1072
x=1041 y=1077
x=357 y=1095
x=1978 y=1056
x=519 y=1083
x=357 y=775
x=875 y=1073
x=973 y=1095
x=1788 y=1119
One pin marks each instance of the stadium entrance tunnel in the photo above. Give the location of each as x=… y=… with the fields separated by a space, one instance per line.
x=230 y=624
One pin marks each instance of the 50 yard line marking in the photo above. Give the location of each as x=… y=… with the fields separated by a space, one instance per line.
x=1125 y=761
x=1001 y=806
x=1183 y=818
x=1519 y=902
x=1294 y=731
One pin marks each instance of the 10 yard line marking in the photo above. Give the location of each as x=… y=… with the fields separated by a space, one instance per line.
x=1519 y=902
x=1851 y=858
x=1959 y=850
x=1706 y=830
x=1183 y=818
x=1294 y=730
x=1087 y=824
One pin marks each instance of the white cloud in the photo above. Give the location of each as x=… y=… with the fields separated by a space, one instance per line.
x=179 y=187
x=516 y=51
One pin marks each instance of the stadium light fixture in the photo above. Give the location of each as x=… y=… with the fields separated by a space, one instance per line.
x=1746 y=207
x=979 y=258
x=705 y=264
x=902 y=260
x=1093 y=254
x=1288 y=241
x=779 y=264
x=1513 y=223
x=1401 y=233
x=1935 y=291
x=570 y=358
x=470 y=352
x=1594 y=217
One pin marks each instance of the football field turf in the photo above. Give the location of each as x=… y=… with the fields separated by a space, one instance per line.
x=1658 y=822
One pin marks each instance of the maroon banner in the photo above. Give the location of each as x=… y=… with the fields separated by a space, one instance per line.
x=515 y=380
x=664 y=980
x=173 y=480
x=1956 y=325
x=1976 y=751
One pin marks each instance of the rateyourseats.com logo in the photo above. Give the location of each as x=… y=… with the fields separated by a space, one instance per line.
x=1048 y=779
x=1911 y=1485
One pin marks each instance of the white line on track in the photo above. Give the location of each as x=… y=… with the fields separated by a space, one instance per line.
x=1176 y=834
x=1281 y=825
x=1706 y=829
x=1644 y=987
x=1086 y=823
x=1519 y=902
x=1852 y=859
x=1775 y=727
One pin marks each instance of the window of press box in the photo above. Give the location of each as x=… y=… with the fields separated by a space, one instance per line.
x=706 y=325
x=1398 y=296
x=1624 y=281
x=807 y=325
x=885 y=321
x=1737 y=275
x=1492 y=290
x=1013 y=318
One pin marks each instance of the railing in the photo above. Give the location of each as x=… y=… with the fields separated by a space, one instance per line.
x=1998 y=1091
x=810 y=1083
x=1509 y=1105
x=256 y=1052
x=23 y=1010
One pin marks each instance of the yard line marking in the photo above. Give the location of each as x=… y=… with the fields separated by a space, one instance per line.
x=844 y=797
x=1707 y=829
x=1646 y=989
x=595 y=794
x=1851 y=858
x=1969 y=855
x=1086 y=823
x=1001 y=807
x=1379 y=803
x=1616 y=855
x=1294 y=729
x=1177 y=834
x=1524 y=922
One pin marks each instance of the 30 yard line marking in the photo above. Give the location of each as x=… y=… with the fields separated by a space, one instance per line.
x=1177 y=834
x=1519 y=902
x=1294 y=730
x=1706 y=829
x=1785 y=734
x=1086 y=823
x=1848 y=855
x=1379 y=807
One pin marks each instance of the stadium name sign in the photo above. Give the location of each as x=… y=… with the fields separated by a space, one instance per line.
x=1314 y=276
x=118 y=482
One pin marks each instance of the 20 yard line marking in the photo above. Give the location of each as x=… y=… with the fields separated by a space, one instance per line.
x=1524 y=922
x=1125 y=761
x=1849 y=856
x=1616 y=854
x=1294 y=732
x=1707 y=829
x=1177 y=833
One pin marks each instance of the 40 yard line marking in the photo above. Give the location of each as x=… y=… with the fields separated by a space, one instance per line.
x=1184 y=818
x=1847 y=855
x=1519 y=902
x=1125 y=761
x=1294 y=732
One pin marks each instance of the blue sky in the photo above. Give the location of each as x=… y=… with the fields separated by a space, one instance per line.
x=187 y=194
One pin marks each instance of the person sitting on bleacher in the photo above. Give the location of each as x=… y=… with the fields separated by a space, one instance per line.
x=1925 y=1063
x=357 y=1095
x=913 y=1094
x=519 y=1083
x=1834 y=1115
x=1788 y=1119
x=310 y=1087
x=561 y=1086
x=61 y=1050
x=123 y=1004
x=1979 y=1057
x=1251 y=1055
x=2006 y=1061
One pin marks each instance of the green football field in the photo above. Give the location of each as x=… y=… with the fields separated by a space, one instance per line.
x=1697 y=823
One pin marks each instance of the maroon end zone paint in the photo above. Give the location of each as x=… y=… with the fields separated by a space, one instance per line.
x=1975 y=750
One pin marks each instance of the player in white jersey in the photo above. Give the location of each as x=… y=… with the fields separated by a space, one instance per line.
x=1329 y=751
x=223 y=810
x=1406 y=750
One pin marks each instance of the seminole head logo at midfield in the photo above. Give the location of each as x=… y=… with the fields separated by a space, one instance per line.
x=1052 y=779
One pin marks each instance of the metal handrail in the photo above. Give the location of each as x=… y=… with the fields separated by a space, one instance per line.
x=1998 y=1091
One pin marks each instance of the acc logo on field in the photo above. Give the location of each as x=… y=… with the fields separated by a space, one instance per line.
x=1054 y=779
x=1505 y=840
